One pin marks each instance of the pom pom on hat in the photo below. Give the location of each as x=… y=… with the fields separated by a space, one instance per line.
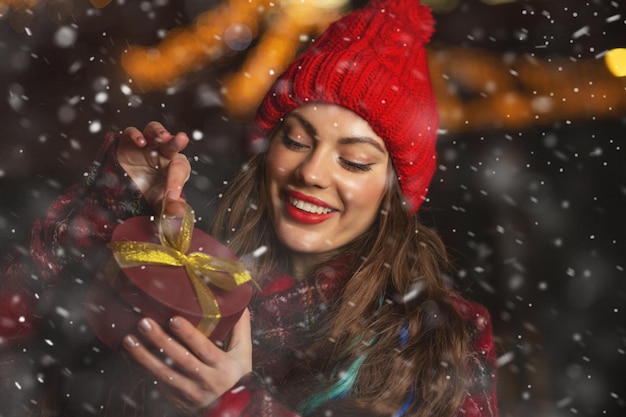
x=373 y=62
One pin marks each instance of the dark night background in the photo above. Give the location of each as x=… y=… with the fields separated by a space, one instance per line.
x=535 y=219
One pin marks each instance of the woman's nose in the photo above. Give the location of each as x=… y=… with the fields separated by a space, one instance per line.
x=315 y=169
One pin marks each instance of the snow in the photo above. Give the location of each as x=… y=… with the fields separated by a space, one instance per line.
x=534 y=218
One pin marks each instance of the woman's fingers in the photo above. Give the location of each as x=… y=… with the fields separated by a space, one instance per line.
x=241 y=341
x=150 y=361
x=178 y=173
x=134 y=135
x=186 y=393
x=174 y=145
x=156 y=137
x=232 y=363
x=156 y=133
x=223 y=368
x=205 y=350
x=167 y=144
x=153 y=159
x=175 y=353
x=194 y=368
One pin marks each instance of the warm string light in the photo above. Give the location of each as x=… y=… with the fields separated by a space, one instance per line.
x=184 y=49
x=476 y=89
x=232 y=26
x=277 y=47
x=616 y=61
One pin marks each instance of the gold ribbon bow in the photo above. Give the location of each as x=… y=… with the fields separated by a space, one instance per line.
x=224 y=273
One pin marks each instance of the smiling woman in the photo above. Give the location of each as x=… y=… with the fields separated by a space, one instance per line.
x=326 y=175
x=355 y=313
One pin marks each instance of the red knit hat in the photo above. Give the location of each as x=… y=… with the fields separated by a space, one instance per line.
x=373 y=62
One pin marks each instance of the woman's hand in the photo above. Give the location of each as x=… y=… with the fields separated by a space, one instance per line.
x=193 y=369
x=153 y=160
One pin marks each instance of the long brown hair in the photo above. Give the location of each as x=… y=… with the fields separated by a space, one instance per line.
x=397 y=291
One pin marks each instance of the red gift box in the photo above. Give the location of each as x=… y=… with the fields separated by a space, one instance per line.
x=152 y=273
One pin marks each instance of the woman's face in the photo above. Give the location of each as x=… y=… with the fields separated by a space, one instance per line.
x=326 y=177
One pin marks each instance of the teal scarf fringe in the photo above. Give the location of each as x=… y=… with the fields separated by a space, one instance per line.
x=340 y=389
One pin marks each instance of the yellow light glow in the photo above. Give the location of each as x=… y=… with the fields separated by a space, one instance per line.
x=616 y=61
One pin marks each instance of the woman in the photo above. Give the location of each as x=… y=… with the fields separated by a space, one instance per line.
x=354 y=315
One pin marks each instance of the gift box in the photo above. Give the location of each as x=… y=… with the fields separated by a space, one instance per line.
x=162 y=268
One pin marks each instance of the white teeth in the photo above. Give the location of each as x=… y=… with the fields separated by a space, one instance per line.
x=308 y=207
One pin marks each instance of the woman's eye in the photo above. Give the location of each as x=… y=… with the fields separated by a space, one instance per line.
x=356 y=167
x=293 y=144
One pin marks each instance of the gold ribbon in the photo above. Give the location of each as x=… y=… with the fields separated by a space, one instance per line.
x=224 y=273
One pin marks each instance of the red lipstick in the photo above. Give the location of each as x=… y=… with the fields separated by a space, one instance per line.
x=306 y=217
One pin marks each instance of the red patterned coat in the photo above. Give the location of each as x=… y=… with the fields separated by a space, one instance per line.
x=50 y=359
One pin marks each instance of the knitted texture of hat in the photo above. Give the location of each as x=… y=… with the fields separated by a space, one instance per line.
x=373 y=62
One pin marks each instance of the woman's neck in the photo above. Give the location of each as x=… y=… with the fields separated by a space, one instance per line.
x=304 y=264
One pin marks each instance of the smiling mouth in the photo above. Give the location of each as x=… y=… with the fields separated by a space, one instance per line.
x=308 y=207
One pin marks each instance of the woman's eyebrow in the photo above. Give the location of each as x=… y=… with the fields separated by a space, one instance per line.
x=363 y=139
x=310 y=129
